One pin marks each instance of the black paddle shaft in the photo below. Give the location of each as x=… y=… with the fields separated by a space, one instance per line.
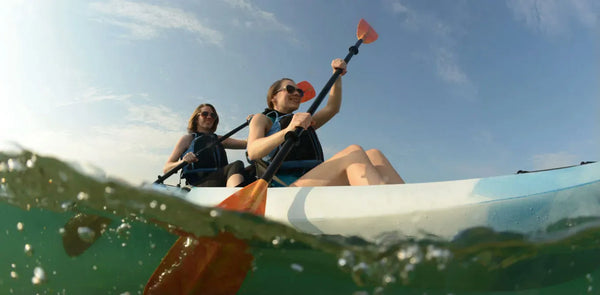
x=161 y=179
x=291 y=138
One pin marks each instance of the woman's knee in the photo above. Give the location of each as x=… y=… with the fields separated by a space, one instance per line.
x=354 y=148
x=374 y=153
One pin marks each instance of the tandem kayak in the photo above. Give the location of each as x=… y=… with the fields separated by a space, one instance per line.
x=522 y=203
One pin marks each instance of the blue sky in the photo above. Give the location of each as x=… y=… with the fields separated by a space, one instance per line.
x=450 y=90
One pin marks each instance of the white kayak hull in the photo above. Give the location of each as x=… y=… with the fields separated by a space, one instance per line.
x=524 y=203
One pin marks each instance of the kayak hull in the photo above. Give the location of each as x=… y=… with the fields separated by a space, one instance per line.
x=522 y=203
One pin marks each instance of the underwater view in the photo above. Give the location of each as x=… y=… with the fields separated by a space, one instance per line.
x=68 y=230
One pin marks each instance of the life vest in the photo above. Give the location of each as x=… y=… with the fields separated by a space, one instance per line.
x=208 y=160
x=305 y=155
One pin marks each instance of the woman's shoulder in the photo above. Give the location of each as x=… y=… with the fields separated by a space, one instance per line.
x=187 y=138
x=260 y=118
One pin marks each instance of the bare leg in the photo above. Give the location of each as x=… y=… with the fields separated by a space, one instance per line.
x=234 y=180
x=384 y=167
x=350 y=166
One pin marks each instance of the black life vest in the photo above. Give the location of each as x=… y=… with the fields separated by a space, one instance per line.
x=208 y=160
x=305 y=155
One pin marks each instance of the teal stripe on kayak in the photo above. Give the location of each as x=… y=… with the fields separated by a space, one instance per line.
x=519 y=185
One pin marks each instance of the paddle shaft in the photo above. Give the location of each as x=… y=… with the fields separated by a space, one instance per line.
x=292 y=137
x=161 y=179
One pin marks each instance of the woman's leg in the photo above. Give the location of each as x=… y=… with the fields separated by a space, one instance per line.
x=384 y=167
x=350 y=166
x=234 y=180
x=234 y=172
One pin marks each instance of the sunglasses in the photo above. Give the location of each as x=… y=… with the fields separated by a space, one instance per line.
x=206 y=114
x=291 y=89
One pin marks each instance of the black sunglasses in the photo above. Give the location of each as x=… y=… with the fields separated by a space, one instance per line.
x=206 y=114
x=291 y=89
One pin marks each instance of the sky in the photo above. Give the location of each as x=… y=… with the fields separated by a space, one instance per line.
x=450 y=90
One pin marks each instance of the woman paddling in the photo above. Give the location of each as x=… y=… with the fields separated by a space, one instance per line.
x=211 y=167
x=304 y=166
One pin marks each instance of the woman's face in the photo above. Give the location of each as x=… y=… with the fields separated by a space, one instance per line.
x=206 y=119
x=283 y=100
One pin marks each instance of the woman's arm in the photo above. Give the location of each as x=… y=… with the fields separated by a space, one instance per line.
x=234 y=144
x=259 y=145
x=335 y=97
x=182 y=145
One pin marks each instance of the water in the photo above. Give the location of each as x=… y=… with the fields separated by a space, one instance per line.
x=66 y=231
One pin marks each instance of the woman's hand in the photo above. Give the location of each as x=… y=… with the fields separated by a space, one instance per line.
x=339 y=63
x=303 y=120
x=190 y=158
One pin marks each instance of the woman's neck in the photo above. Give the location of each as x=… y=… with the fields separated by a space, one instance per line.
x=283 y=111
x=202 y=130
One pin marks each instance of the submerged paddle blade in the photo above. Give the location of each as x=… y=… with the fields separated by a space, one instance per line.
x=215 y=265
x=366 y=32
x=309 y=91
x=252 y=198
x=81 y=231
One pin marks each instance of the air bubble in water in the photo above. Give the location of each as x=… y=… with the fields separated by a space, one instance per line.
x=123 y=229
x=31 y=161
x=297 y=267
x=86 y=234
x=153 y=204
x=276 y=241
x=163 y=207
x=14 y=275
x=346 y=260
x=39 y=276
x=68 y=205
x=81 y=196
x=14 y=165
x=214 y=213
x=28 y=250
x=19 y=226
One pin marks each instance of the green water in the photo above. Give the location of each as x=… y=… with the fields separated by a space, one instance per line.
x=44 y=202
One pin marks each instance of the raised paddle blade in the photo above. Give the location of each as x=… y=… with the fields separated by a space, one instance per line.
x=366 y=32
x=252 y=198
x=309 y=91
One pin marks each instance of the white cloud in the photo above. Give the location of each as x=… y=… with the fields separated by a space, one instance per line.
x=264 y=19
x=93 y=94
x=553 y=160
x=442 y=38
x=157 y=115
x=398 y=7
x=448 y=68
x=146 y=21
x=554 y=17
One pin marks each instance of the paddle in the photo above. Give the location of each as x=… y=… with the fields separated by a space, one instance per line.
x=219 y=265
x=309 y=93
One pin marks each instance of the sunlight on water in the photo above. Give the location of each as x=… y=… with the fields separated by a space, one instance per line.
x=68 y=228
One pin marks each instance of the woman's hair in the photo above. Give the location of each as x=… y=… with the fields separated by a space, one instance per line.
x=273 y=90
x=193 y=121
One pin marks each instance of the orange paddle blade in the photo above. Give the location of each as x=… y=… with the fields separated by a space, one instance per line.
x=216 y=265
x=309 y=91
x=252 y=198
x=365 y=32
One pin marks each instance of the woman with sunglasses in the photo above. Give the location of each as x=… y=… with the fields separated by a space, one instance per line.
x=304 y=166
x=211 y=167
